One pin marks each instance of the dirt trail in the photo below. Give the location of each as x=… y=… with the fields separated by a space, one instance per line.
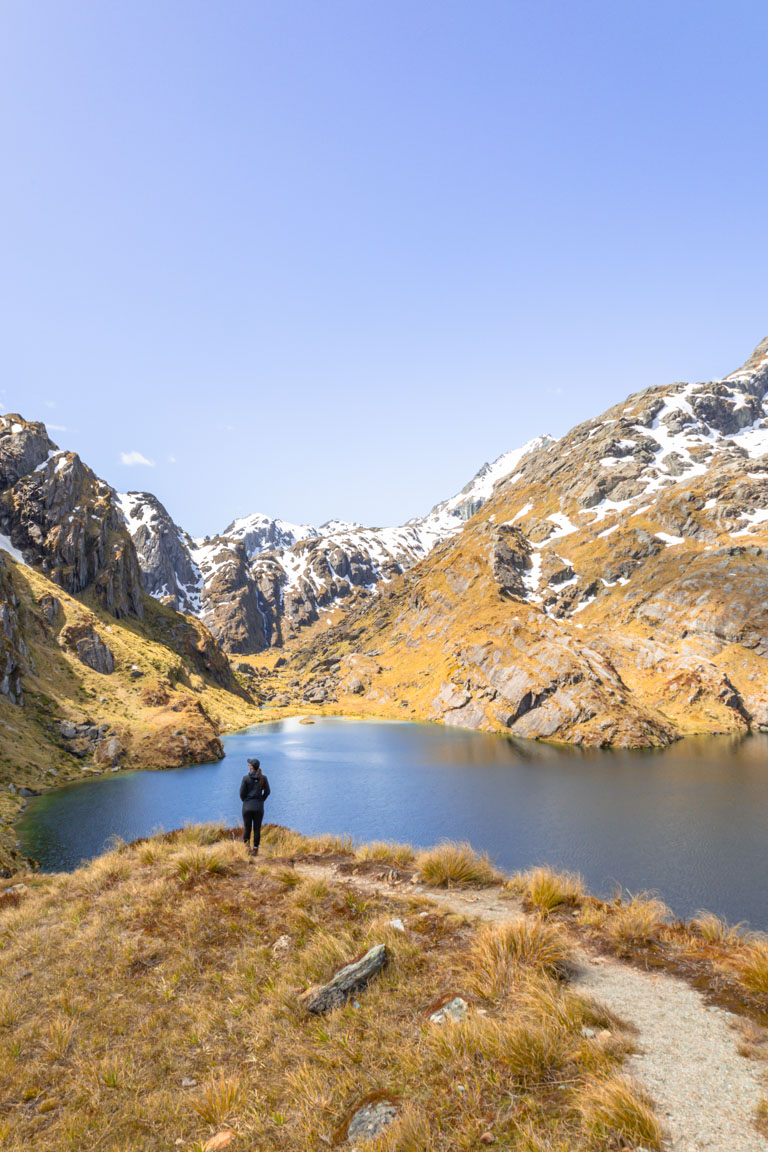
x=705 y=1092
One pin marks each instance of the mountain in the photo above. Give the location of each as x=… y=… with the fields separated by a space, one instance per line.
x=261 y=582
x=95 y=675
x=612 y=590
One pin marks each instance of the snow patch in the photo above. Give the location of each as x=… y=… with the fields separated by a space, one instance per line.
x=13 y=552
x=670 y=541
x=564 y=526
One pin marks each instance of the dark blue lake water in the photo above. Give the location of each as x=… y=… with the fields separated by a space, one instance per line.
x=689 y=821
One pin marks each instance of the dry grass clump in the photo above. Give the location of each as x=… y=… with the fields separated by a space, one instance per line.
x=546 y=889
x=279 y=841
x=388 y=851
x=751 y=966
x=616 y=1110
x=593 y=913
x=219 y=1100
x=761 y=1117
x=531 y=1051
x=717 y=931
x=636 y=922
x=201 y=834
x=501 y=954
x=196 y=863
x=455 y=865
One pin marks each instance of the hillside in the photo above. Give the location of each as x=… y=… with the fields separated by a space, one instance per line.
x=612 y=591
x=177 y=1014
x=206 y=1002
x=95 y=675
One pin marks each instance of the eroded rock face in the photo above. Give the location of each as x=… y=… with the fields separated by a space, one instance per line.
x=164 y=550
x=13 y=649
x=89 y=647
x=60 y=516
x=229 y=601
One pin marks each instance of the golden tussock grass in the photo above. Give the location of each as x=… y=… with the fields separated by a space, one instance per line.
x=219 y=1100
x=388 y=851
x=761 y=1117
x=717 y=931
x=546 y=889
x=157 y=965
x=751 y=966
x=279 y=841
x=500 y=955
x=636 y=921
x=456 y=864
x=616 y=1110
x=195 y=863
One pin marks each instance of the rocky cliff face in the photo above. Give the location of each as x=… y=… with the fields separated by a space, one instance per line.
x=60 y=516
x=611 y=591
x=14 y=655
x=165 y=551
x=262 y=581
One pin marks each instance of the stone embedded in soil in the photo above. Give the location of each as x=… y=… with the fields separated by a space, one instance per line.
x=282 y=947
x=455 y=1010
x=370 y=1120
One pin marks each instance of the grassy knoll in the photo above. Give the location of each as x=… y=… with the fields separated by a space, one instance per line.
x=170 y=696
x=150 y=1000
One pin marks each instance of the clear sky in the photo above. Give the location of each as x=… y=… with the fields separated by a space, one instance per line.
x=324 y=258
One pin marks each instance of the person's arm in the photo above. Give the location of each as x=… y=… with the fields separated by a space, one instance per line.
x=265 y=789
x=243 y=787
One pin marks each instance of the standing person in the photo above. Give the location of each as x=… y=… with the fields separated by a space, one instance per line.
x=254 y=790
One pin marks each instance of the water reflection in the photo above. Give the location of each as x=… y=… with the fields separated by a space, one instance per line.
x=687 y=820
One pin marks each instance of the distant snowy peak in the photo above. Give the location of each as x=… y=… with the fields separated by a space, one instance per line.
x=264 y=579
x=448 y=516
x=260 y=533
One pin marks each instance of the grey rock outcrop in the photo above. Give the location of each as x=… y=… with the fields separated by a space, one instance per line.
x=13 y=649
x=164 y=550
x=65 y=520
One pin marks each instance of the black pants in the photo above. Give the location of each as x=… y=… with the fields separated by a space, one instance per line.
x=252 y=820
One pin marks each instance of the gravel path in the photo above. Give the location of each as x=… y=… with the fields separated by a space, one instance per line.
x=705 y=1092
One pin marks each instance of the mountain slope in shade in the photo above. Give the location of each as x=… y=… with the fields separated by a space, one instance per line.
x=613 y=590
x=262 y=581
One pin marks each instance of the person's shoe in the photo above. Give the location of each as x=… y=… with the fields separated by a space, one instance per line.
x=254 y=851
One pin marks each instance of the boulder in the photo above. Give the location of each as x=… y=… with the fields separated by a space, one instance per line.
x=349 y=979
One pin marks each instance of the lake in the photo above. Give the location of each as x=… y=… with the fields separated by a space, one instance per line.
x=688 y=821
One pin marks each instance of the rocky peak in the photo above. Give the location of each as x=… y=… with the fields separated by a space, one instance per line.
x=64 y=519
x=259 y=533
x=165 y=552
x=756 y=363
x=23 y=447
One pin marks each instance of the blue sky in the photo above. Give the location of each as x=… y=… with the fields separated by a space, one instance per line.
x=326 y=258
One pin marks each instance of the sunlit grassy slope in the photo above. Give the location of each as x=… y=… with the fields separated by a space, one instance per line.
x=152 y=1000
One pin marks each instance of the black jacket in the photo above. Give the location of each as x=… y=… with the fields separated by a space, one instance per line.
x=253 y=792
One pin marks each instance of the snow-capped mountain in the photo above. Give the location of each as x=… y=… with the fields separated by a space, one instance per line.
x=262 y=580
x=612 y=590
